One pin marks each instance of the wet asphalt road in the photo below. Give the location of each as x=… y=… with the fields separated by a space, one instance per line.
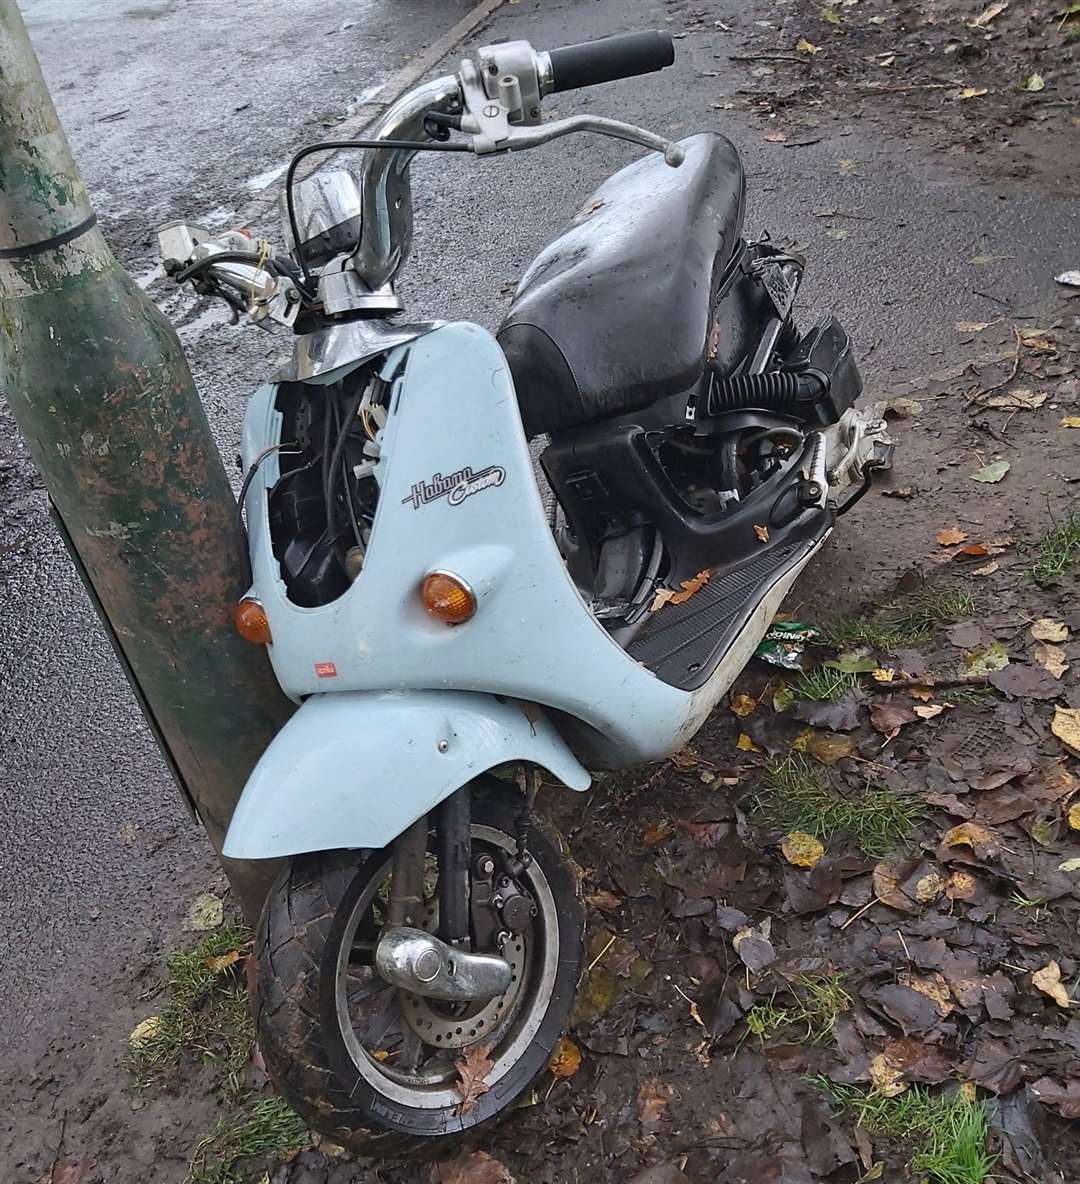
x=184 y=107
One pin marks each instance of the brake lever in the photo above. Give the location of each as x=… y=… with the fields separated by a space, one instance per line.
x=487 y=123
x=518 y=138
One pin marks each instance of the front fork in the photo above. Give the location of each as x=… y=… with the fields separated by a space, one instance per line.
x=484 y=891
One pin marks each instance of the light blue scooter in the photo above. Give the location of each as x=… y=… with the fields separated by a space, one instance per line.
x=437 y=620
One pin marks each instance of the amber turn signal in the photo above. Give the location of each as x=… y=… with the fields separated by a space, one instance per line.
x=447 y=597
x=249 y=617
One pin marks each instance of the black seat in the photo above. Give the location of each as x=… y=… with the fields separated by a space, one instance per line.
x=614 y=313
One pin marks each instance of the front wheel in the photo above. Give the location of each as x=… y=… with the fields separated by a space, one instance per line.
x=373 y=1067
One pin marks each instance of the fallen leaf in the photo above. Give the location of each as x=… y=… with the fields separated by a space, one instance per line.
x=928 y=710
x=1066 y=727
x=829 y=13
x=961 y=886
x=848 y=167
x=901 y=491
x=207 y=912
x=1033 y=83
x=657 y=833
x=1021 y=399
x=971 y=92
x=988 y=13
x=951 y=535
x=888 y=717
x=802 y=849
x=886 y=1078
x=762 y=533
x=987 y=658
x=886 y=59
x=1070 y=865
x=743 y=705
x=933 y=986
x=1051 y=658
x=1074 y=817
x=972 y=326
x=804 y=46
x=843 y=715
x=853 y=662
x=753 y=946
x=606 y=901
x=745 y=744
x=71 y=1171
x=776 y=137
x=1070 y=421
x=1066 y=1101
x=145 y=1031
x=992 y=473
x=475 y=1168
x=653 y=1099
x=217 y=965
x=880 y=675
x=981 y=839
x=929 y=887
x=838 y=232
x=565 y=1060
x=473 y=1067
x=897 y=408
x=1047 y=629
x=1048 y=980
x=886 y=879
x=988 y=570
x=688 y=588
x=709 y=835
x=829 y=747
x=1025 y=682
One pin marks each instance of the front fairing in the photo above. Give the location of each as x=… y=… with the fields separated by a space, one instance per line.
x=457 y=493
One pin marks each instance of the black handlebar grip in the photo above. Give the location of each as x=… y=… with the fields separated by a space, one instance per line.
x=609 y=58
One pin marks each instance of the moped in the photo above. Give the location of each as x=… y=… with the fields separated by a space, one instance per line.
x=449 y=628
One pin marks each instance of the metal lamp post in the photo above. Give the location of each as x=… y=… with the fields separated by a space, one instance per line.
x=99 y=387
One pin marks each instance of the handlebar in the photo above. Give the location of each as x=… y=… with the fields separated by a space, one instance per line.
x=609 y=58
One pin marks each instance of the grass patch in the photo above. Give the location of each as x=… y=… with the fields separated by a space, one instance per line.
x=799 y=796
x=824 y=685
x=1057 y=551
x=205 y=1014
x=966 y=696
x=947 y=1132
x=266 y=1128
x=900 y=624
x=819 y=1000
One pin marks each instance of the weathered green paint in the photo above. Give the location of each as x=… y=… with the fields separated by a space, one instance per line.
x=98 y=384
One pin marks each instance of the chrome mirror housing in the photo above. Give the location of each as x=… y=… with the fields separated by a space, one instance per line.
x=329 y=213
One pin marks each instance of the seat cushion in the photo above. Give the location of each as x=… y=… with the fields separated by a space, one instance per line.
x=614 y=313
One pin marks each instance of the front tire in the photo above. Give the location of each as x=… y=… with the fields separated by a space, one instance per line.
x=342 y=1046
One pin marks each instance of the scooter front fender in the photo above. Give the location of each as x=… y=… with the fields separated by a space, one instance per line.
x=354 y=769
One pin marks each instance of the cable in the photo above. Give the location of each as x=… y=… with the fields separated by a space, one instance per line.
x=246 y=485
x=339 y=453
x=333 y=146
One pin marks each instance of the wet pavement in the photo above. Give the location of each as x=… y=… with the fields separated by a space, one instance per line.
x=191 y=109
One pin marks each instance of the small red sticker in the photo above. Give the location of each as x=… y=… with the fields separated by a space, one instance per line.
x=326 y=669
